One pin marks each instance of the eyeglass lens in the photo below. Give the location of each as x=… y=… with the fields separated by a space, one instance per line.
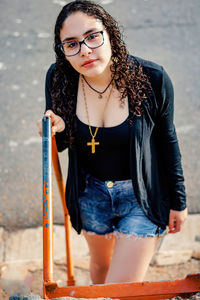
x=92 y=41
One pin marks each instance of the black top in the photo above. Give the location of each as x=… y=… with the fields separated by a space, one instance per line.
x=111 y=158
x=155 y=159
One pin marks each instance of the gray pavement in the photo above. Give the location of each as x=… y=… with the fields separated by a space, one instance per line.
x=167 y=32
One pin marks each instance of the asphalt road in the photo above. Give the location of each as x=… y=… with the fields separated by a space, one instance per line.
x=167 y=32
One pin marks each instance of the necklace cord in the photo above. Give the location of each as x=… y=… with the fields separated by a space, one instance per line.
x=100 y=93
x=87 y=113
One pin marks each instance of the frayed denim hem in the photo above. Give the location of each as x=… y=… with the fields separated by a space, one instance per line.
x=108 y=235
x=134 y=236
x=119 y=234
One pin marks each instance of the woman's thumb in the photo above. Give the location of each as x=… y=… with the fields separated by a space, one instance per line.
x=50 y=113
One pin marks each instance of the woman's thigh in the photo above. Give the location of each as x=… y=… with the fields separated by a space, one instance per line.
x=131 y=258
x=100 y=247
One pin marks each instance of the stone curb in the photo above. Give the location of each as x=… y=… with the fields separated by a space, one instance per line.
x=171 y=257
x=25 y=246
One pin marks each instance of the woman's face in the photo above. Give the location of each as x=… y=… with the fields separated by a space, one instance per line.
x=89 y=62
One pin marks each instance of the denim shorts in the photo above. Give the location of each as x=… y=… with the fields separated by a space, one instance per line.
x=111 y=207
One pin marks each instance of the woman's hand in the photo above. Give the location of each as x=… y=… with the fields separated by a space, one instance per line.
x=176 y=220
x=57 y=123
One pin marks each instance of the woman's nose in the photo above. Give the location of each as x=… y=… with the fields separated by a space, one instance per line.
x=85 y=50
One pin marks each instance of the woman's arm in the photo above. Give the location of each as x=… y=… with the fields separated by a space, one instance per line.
x=58 y=124
x=171 y=157
x=168 y=146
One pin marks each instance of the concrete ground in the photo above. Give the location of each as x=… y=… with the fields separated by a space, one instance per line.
x=21 y=258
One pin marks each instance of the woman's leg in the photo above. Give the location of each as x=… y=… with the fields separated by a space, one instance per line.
x=101 y=249
x=131 y=258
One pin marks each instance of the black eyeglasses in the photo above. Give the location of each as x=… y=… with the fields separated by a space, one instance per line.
x=92 y=41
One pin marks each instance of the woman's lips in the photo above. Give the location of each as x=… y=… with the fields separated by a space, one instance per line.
x=89 y=63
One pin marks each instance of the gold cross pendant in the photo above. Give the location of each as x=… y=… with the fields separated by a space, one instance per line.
x=93 y=144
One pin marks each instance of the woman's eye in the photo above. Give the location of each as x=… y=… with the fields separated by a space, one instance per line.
x=71 y=45
x=92 y=36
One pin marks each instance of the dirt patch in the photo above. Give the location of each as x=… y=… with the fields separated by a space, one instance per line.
x=154 y=273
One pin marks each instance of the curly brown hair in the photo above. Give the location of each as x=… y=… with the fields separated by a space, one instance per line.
x=128 y=74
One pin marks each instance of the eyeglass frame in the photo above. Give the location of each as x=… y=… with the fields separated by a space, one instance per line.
x=80 y=43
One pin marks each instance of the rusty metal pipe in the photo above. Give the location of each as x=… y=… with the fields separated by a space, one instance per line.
x=47 y=201
x=61 y=188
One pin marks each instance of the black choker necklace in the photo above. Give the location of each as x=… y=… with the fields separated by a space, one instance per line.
x=100 y=93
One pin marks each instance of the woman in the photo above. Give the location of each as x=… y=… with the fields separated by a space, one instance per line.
x=115 y=114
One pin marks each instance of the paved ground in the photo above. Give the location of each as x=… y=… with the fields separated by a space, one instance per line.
x=33 y=281
x=21 y=258
x=164 y=31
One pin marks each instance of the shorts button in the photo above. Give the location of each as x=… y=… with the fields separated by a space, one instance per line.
x=109 y=184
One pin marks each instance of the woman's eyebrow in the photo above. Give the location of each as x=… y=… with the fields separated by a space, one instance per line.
x=76 y=39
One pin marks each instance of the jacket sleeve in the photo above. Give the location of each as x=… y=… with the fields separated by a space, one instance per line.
x=168 y=144
x=60 y=136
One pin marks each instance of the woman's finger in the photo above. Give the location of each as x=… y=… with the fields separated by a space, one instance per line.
x=171 y=222
x=57 y=122
x=39 y=126
x=50 y=113
x=54 y=130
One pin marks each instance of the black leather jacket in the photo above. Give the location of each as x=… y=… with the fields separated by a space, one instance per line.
x=155 y=157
